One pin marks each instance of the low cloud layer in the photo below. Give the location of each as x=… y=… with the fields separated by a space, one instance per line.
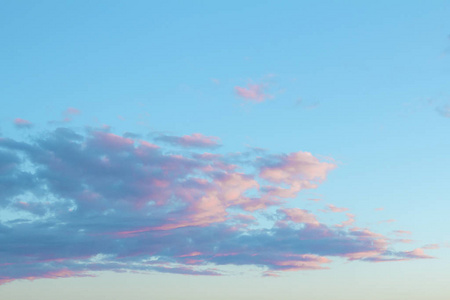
x=75 y=203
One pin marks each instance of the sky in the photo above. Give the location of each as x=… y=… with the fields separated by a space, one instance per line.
x=230 y=149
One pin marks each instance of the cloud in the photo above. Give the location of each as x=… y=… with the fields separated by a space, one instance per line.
x=195 y=140
x=298 y=215
x=299 y=170
x=81 y=203
x=350 y=220
x=253 y=92
x=431 y=246
x=402 y=232
x=387 y=221
x=67 y=115
x=314 y=199
x=333 y=208
x=300 y=103
x=22 y=123
x=444 y=111
x=417 y=253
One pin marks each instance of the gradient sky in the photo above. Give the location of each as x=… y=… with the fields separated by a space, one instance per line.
x=224 y=150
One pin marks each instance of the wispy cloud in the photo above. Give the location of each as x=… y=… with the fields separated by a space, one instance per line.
x=387 y=221
x=196 y=140
x=333 y=208
x=444 y=111
x=253 y=92
x=301 y=103
x=350 y=220
x=67 y=115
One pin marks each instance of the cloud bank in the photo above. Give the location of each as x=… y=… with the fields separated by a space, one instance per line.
x=76 y=203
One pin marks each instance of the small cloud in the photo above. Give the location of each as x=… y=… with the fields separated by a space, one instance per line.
x=431 y=246
x=195 y=140
x=298 y=215
x=270 y=274
x=379 y=208
x=312 y=105
x=301 y=103
x=444 y=111
x=314 y=199
x=416 y=253
x=67 y=116
x=69 y=113
x=253 y=92
x=22 y=123
x=332 y=208
x=402 y=232
x=350 y=220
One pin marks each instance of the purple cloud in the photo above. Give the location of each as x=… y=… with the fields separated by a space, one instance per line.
x=196 y=140
x=102 y=202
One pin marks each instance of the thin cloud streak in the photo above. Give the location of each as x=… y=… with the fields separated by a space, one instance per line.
x=195 y=140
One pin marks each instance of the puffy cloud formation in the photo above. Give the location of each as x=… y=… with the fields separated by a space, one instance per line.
x=253 y=92
x=77 y=203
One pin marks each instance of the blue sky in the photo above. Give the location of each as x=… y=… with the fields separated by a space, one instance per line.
x=362 y=87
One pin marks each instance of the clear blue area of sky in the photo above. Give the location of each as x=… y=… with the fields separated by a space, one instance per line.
x=358 y=81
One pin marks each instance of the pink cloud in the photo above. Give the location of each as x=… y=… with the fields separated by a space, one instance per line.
x=350 y=220
x=22 y=123
x=195 y=140
x=69 y=113
x=417 y=253
x=314 y=199
x=431 y=246
x=402 y=232
x=333 y=208
x=405 y=241
x=253 y=92
x=298 y=215
x=299 y=170
x=112 y=141
x=303 y=262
